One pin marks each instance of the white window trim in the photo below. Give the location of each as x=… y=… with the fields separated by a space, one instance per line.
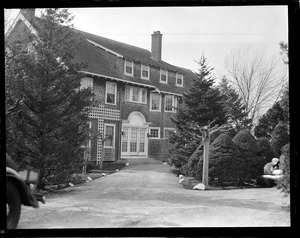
x=174 y=103
x=106 y=94
x=125 y=73
x=147 y=69
x=160 y=74
x=151 y=102
x=168 y=128
x=155 y=138
x=181 y=76
x=130 y=94
x=114 y=135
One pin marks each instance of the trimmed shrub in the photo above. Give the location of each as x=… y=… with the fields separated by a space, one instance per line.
x=225 y=166
x=191 y=167
x=180 y=156
x=266 y=149
x=251 y=154
x=89 y=167
x=246 y=143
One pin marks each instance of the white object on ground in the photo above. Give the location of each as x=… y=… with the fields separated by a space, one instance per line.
x=181 y=180
x=127 y=164
x=104 y=174
x=199 y=186
x=89 y=178
x=180 y=176
x=71 y=184
x=117 y=170
x=273 y=177
x=87 y=181
x=165 y=163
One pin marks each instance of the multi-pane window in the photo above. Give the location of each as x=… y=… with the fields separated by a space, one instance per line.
x=111 y=93
x=170 y=103
x=163 y=76
x=154 y=132
x=155 y=102
x=136 y=94
x=145 y=71
x=109 y=131
x=179 y=80
x=128 y=69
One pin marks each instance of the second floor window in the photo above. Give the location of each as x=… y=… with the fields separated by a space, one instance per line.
x=128 y=69
x=155 y=102
x=136 y=94
x=145 y=71
x=163 y=76
x=170 y=103
x=111 y=93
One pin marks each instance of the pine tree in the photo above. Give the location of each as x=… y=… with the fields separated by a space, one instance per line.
x=232 y=103
x=201 y=104
x=49 y=127
x=267 y=123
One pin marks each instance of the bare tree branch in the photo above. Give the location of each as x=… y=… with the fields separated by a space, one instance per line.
x=257 y=79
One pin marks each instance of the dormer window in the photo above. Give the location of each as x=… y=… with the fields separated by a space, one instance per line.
x=128 y=69
x=179 y=80
x=163 y=76
x=145 y=69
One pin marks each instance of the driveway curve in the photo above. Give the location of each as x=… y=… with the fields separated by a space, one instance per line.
x=149 y=195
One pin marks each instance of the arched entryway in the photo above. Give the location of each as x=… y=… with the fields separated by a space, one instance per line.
x=134 y=136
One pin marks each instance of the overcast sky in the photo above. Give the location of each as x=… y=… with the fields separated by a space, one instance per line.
x=189 y=31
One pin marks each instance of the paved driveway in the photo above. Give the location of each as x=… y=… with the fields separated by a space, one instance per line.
x=148 y=195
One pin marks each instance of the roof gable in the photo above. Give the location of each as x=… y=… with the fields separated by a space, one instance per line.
x=99 y=63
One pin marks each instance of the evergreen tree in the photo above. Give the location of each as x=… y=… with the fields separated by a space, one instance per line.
x=201 y=104
x=267 y=123
x=49 y=127
x=279 y=138
x=232 y=103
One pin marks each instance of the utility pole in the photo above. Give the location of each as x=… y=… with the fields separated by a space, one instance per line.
x=206 y=140
x=206 y=132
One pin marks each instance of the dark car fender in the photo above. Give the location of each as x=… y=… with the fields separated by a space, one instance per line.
x=27 y=198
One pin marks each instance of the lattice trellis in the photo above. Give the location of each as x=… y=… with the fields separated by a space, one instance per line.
x=101 y=113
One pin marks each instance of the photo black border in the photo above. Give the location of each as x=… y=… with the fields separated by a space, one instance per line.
x=293 y=43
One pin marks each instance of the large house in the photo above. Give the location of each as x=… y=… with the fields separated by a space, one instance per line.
x=136 y=93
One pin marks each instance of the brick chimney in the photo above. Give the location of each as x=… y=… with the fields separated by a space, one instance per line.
x=156 y=45
x=28 y=13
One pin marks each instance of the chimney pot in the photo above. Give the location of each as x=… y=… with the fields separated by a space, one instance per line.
x=156 y=47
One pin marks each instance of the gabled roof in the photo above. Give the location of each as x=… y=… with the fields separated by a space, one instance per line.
x=100 y=64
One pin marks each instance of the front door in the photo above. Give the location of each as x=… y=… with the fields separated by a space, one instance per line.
x=134 y=141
